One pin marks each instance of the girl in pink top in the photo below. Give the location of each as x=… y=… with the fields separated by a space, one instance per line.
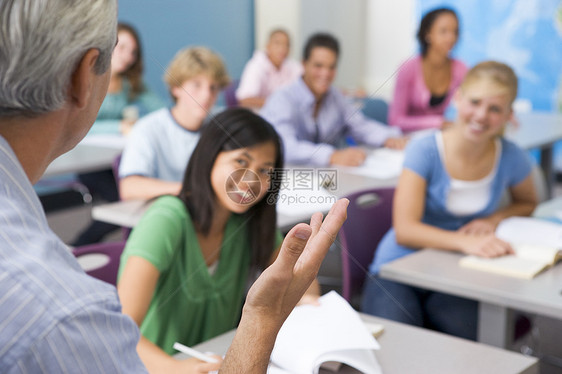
x=425 y=84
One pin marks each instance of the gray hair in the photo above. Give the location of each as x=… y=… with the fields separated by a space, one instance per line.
x=42 y=42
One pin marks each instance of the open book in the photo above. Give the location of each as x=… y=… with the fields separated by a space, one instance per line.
x=537 y=244
x=325 y=336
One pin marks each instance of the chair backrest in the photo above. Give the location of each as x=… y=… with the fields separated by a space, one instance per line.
x=376 y=109
x=230 y=93
x=100 y=260
x=115 y=168
x=369 y=217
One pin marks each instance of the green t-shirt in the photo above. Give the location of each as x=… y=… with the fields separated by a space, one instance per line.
x=189 y=304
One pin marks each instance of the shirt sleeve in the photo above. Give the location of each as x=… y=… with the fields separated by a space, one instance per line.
x=364 y=130
x=139 y=155
x=95 y=339
x=420 y=155
x=278 y=238
x=399 y=107
x=250 y=81
x=283 y=115
x=518 y=163
x=157 y=236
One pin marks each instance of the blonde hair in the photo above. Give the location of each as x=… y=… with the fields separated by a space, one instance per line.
x=497 y=73
x=194 y=61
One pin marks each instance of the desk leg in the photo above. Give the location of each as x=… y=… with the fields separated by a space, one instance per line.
x=495 y=325
x=547 y=168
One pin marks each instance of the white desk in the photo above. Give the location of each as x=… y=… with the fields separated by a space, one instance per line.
x=497 y=295
x=83 y=158
x=539 y=130
x=408 y=349
x=128 y=213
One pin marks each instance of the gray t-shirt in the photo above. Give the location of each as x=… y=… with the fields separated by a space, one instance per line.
x=158 y=147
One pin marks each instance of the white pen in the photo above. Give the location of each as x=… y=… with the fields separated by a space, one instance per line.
x=193 y=353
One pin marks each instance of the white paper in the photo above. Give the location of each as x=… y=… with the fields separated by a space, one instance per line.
x=304 y=200
x=381 y=163
x=332 y=331
x=531 y=231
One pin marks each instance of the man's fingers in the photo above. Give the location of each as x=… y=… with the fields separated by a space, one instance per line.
x=330 y=227
x=293 y=245
x=316 y=223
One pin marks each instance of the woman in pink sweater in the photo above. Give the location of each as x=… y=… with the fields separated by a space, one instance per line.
x=426 y=83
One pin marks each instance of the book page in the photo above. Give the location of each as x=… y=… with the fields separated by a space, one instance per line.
x=544 y=255
x=532 y=231
x=506 y=265
x=329 y=332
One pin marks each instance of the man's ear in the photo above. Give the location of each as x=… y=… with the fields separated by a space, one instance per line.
x=81 y=83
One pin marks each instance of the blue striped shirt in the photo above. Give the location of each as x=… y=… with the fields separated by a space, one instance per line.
x=53 y=317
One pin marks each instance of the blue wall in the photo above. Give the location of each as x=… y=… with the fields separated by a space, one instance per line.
x=166 y=26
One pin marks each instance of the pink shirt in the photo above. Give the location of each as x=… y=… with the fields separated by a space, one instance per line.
x=260 y=78
x=410 y=109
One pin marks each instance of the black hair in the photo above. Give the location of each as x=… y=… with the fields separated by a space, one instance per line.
x=426 y=23
x=324 y=40
x=232 y=129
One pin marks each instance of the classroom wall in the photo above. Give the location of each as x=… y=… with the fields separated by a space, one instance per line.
x=375 y=35
x=165 y=26
x=272 y=14
x=305 y=17
x=390 y=40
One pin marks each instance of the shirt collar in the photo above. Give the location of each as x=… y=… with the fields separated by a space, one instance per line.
x=307 y=97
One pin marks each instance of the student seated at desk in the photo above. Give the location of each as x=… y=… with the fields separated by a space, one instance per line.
x=161 y=143
x=186 y=265
x=313 y=117
x=267 y=71
x=127 y=97
x=425 y=84
x=448 y=197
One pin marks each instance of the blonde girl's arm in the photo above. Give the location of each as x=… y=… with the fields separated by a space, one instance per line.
x=136 y=289
x=523 y=201
x=408 y=209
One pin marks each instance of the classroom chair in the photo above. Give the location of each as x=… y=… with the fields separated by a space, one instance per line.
x=230 y=93
x=115 y=168
x=126 y=231
x=100 y=260
x=375 y=108
x=369 y=217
